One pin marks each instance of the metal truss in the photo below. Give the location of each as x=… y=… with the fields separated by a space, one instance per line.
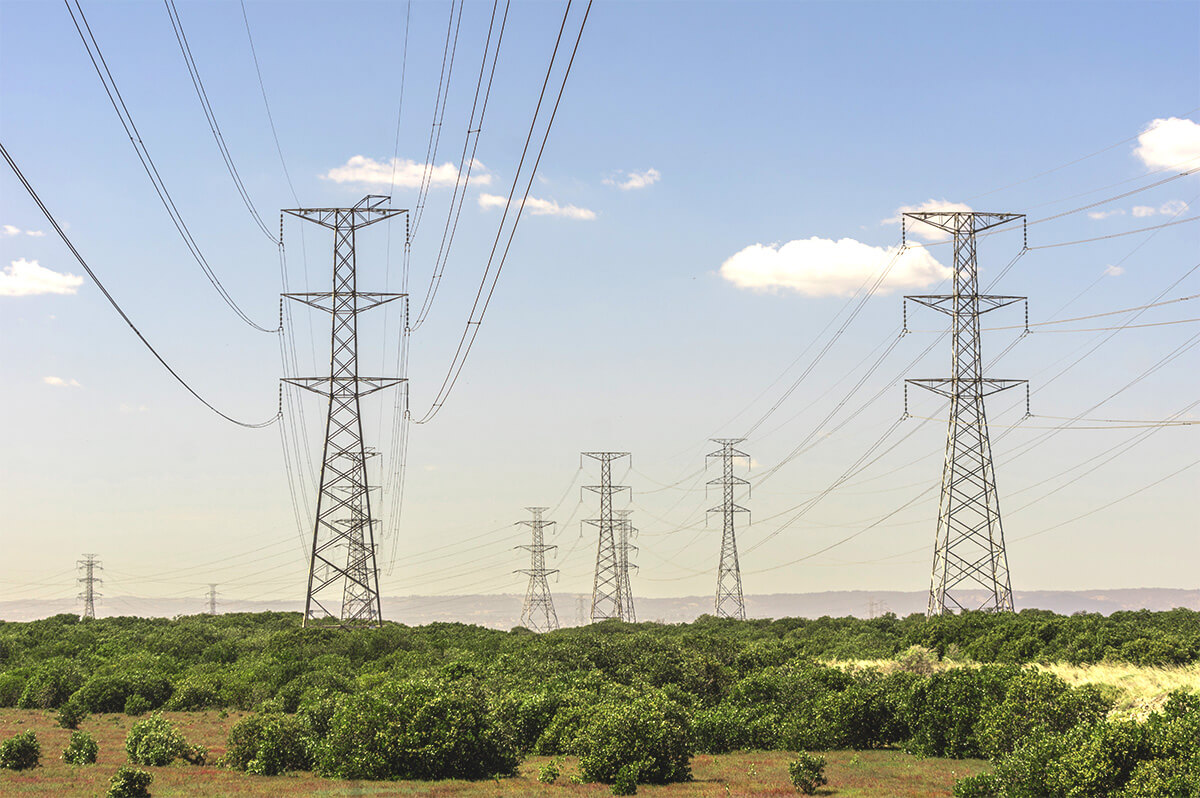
x=969 y=549
x=607 y=594
x=625 y=531
x=343 y=576
x=729 y=602
x=538 y=611
x=89 y=565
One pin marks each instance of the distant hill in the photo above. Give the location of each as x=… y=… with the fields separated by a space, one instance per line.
x=503 y=611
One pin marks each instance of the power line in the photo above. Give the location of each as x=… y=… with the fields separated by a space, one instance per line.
x=112 y=301
x=1116 y=235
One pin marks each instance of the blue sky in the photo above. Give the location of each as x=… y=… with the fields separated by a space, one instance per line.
x=614 y=325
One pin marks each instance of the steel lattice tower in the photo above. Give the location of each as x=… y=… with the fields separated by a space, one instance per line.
x=212 y=599
x=538 y=611
x=343 y=577
x=729 y=602
x=606 y=590
x=625 y=530
x=89 y=565
x=969 y=546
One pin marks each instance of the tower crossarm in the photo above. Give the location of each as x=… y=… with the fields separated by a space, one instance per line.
x=366 y=212
x=329 y=302
x=962 y=222
x=950 y=387
x=944 y=303
x=344 y=386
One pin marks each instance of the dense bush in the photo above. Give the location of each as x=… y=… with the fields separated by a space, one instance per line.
x=136 y=705
x=20 y=752
x=12 y=685
x=81 y=750
x=1036 y=702
x=71 y=714
x=50 y=686
x=113 y=692
x=943 y=710
x=651 y=734
x=268 y=744
x=807 y=772
x=154 y=741
x=416 y=729
x=130 y=782
x=626 y=781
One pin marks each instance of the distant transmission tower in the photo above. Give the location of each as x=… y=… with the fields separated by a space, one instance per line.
x=606 y=590
x=212 y=599
x=729 y=602
x=538 y=612
x=625 y=530
x=969 y=546
x=89 y=565
x=343 y=577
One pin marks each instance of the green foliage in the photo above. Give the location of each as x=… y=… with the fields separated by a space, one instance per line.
x=50 y=686
x=1036 y=702
x=807 y=772
x=112 y=691
x=136 y=705
x=154 y=741
x=268 y=744
x=549 y=772
x=626 y=781
x=652 y=734
x=943 y=709
x=12 y=686
x=81 y=750
x=416 y=729
x=20 y=752
x=195 y=755
x=72 y=713
x=130 y=782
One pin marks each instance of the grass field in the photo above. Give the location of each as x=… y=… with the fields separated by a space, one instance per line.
x=851 y=774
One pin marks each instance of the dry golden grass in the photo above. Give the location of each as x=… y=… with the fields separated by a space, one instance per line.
x=1139 y=689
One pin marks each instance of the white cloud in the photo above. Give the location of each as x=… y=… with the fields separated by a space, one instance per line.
x=631 y=180
x=539 y=207
x=1113 y=271
x=1169 y=142
x=59 y=382
x=1168 y=208
x=823 y=267
x=926 y=231
x=1105 y=214
x=1142 y=211
x=28 y=278
x=12 y=230
x=407 y=173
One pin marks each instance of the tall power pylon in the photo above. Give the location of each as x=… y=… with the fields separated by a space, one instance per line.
x=343 y=576
x=729 y=602
x=538 y=611
x=606 y=589
x=212 y=599
x=625 y=531
x=969 y=545
x=89 y=565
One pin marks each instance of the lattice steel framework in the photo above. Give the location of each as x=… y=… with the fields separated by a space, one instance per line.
x=606 y=589
x=625 y=531
x=343 y=577
x=538 y=611
x=969 y=545
x=212 y=599
x=89 y=565
x=729 y=602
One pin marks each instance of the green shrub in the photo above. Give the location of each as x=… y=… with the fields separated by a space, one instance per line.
x=82 y=749
x=1036 y=702
x=978 y=786
x=112 y=692
x=154 y=741
x=626 y=781
x=50 y=686
x=549 y=772
x=943 y=710
x=130 y=782
x=268 y=744
x=807 y=772
x=71 y=714
x=416 y=729
x=20 y=752
x=195 y=755
x=136 y=705
x=11 y=688
x=651 y=733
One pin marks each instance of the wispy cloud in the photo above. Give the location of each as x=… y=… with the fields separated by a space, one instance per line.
x=824 y=267
x=59 y=382
x=9 y=230
x=1169 y=208
x=1113 y=271
x=539 y=207
x=402 y=172
x=627 y=181
x=926 y=231
x=29 y=278
x=1169 y=142
x=1105 y=214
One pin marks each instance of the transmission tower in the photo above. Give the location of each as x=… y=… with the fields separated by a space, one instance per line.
x=625 y=530
x=606 y=590
x=89 y=565
x=729 y=602
x=538 y=612
x=212 y=599
x=968 y=550
x=343 y=577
